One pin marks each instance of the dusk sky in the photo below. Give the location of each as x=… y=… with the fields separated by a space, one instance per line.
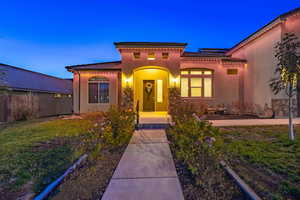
x=47 y=35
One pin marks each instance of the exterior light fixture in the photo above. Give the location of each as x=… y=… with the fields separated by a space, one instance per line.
x=127 y=81
x=175 y=81
x=151 y=56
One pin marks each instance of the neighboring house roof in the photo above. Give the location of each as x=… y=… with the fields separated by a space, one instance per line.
x=149 y=44
x=17 y=78
x=263 y=29
x=114 y=65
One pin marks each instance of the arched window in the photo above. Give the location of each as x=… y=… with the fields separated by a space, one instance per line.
x=196 y=83
x=98 y=90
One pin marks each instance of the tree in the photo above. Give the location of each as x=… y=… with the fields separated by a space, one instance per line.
x=287 y=72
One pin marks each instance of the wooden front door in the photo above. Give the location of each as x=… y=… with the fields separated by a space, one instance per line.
x=148 y=95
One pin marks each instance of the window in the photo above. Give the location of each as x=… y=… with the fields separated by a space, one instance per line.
x=98 y=90
x=196 y=83
x=57 y=96
x=232 y=71
x=165 y=55
x=184 y=72
x=136 y=55
x=151 y=56
x=159 y=91
x=184 y=87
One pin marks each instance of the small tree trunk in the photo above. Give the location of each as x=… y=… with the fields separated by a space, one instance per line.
x=291 y=127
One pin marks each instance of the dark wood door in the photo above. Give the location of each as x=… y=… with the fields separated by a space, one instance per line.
x=148 y=95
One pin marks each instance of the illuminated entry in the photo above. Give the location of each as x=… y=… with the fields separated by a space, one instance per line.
x=159 y=92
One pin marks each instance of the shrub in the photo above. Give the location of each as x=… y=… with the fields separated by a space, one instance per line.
x=181 y=109
x=110 y=130
x=193 y=138
x=119 y=125
x=127 y=98
x=195 y=144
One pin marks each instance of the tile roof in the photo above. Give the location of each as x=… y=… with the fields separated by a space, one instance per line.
x=21 y=79
x=213 y=53
x=114 y=65
x=206 y=52
x=149 y=44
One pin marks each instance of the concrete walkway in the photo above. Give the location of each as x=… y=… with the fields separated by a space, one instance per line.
x=146 y=170
x=253 y=122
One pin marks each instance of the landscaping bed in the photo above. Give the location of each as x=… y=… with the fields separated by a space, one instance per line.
x=197 y=162
x=265 y=158
x=91 y=180
x=35 y=153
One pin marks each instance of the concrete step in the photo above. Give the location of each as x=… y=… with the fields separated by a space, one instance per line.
x=152 y=126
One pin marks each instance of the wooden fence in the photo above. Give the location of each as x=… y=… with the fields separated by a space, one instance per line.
x=18 y=105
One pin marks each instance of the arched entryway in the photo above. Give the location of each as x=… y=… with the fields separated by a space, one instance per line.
x=150 y=86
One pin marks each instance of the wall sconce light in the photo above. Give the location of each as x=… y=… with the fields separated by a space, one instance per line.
x=175 y=81
x=128 y=81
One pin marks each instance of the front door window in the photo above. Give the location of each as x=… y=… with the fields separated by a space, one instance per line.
x=159 y=91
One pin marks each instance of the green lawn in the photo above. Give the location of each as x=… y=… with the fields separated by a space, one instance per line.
x=265 y=158
x=34 y=153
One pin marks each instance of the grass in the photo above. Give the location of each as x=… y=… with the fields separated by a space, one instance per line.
x=265 y=158
x=34 y=153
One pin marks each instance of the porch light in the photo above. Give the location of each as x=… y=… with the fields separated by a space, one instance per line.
x=175 y=81
x=151 y=56
x=127 y=81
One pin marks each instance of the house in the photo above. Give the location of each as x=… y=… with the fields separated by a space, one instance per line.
x=214 y=76
x=25 y=93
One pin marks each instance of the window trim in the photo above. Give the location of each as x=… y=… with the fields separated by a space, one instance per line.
x=202 y=76
x=167 y=55
x=136 y=52
x=101 y=79
x=232 y=71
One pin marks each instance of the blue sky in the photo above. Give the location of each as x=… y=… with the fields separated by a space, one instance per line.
x=47 y=35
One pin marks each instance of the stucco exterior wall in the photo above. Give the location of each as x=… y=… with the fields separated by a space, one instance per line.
x=292 y=24
x=75 y=92
x=260 y=67
x=172 y=63
x=81 y=104
x=226 y=88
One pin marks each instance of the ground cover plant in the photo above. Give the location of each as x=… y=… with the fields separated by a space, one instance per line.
x=34 y=153
x=265 y=158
